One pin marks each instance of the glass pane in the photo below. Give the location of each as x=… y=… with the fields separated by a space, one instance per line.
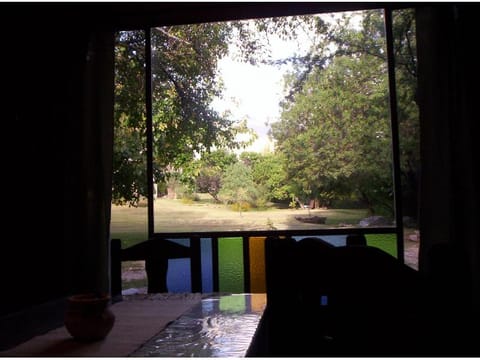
x=322 y=157
x=207 y=266
x=385 y=242
x=317 y=115
x=129 y=206
x=230 y=264
x=233 y=304
x=257 y=264
x=408 y=127
x=178 y=276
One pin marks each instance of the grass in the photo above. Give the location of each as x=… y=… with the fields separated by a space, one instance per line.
x=336 y=217
x=130 y=238
x=385 y=242
x=130 y=223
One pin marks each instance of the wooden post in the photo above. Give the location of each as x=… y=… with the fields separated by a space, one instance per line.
x=115 y=270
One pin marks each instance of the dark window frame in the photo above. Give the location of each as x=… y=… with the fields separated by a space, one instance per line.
x=251 y=11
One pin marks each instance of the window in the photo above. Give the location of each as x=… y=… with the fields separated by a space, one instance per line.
x=321 y=160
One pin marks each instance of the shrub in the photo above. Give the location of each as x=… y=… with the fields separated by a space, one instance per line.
x=241 y=206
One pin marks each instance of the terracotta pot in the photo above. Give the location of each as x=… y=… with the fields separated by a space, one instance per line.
x=88 y=316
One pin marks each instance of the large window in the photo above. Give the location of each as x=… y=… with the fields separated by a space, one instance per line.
x=267 y=125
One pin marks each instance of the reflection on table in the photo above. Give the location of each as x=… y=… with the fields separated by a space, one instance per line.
x=222 y=326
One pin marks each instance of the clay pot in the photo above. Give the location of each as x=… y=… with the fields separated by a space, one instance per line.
x=88 y=316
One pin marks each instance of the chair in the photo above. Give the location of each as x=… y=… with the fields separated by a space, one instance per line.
x=156 y=253
x=373 y=302
x=354 y=300
x=284 y=264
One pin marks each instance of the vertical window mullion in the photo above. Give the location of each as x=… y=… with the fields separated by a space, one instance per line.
x=215 y=275
x=149 y=127
x=397 y=187
x=246 y=263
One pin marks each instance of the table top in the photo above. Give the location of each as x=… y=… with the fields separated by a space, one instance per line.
x=220 y=326
x=136 y=322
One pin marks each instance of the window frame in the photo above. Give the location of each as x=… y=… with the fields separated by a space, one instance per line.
x=289 y=10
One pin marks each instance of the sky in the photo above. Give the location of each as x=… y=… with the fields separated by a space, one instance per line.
x=254 y=92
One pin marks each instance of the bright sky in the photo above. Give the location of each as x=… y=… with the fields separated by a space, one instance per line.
x=253 y=92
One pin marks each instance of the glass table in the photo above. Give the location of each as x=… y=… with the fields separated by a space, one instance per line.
x=221 y=326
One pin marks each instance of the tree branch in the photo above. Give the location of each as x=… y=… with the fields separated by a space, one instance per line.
x=171 y=36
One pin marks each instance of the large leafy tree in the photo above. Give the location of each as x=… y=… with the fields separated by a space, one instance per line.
x=184 y=82
x=210 y=169
x=329 y=134
x=184 y=66
x=238 y=187
x=369 y=41
x=268 y=172
x=334 y=130
x=129 y=170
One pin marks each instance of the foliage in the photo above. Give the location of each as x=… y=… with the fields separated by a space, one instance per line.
x=331 y=132
x=185 y=80
x=184 y=83
x=334 y=130
x=211 y=168
x=333 y=139
x=368 y=41
x=219 y=158
x=209 y=181
x=238 y=186
x=268 y=172
x=129 y=171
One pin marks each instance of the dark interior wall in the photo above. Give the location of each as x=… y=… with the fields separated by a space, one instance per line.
x=60 y=82
x=46 y=82
x=448 y=83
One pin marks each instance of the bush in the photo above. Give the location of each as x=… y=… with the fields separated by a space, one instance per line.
x=190 y=196
x=347 y=204
x=241 y=206
x=261 y=203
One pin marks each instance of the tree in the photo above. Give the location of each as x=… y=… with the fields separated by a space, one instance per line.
x=184 y=64
x=368 y=42
x=129 y=170
x=238 y=187
x=212 y=166
x=268 y=173
x=184 y=82
x=326 y=131
x=334 y=130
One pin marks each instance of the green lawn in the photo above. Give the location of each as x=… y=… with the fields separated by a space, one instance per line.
x=385 y=242
x=130 y=223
